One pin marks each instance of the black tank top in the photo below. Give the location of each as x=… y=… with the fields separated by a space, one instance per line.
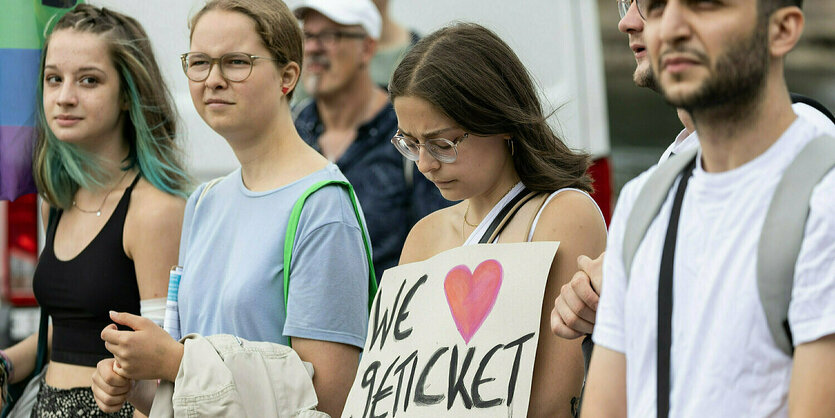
x=79 y=293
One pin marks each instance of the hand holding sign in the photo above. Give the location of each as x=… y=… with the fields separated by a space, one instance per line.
x=415 y=362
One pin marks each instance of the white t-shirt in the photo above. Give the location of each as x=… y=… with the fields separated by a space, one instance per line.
x=724 y=360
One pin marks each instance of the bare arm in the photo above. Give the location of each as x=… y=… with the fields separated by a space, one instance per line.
x=812 y=389
x=152 y=237
x=334 y=368
x=572 y=219
x=606 y=385
x=22 y=355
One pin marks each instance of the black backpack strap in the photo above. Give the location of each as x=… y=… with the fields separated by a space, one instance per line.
x=665 y=298
x=649 y=202
x=798 y=98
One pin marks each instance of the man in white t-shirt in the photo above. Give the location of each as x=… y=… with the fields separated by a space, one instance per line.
x=575 y=308
x=723 y=63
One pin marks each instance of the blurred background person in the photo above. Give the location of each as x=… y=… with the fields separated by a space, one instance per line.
x=351 y=121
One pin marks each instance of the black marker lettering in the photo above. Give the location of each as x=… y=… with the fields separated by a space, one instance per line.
x=456 y=383
x=421 y=398
x=514 y=372
x=478 y=381
x=402 y=314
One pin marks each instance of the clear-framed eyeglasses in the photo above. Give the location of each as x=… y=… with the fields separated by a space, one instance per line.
x=624 y=5
x=441 y=149
x=234 y=66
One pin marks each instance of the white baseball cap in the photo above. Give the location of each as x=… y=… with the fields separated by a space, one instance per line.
x=345 y=12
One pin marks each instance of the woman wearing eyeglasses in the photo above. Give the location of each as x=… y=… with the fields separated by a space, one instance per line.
x=469 y=115
x=243 y=65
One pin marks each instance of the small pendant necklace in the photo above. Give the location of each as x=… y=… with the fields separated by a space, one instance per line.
x=467 y=212
x=98 y=211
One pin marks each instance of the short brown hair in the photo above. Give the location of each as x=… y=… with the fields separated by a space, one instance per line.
x=468 y=73
x=275 y=23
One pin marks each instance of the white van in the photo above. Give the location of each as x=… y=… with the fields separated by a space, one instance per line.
x=558 y=41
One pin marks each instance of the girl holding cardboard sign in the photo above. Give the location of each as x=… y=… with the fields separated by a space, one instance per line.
x=470 y=116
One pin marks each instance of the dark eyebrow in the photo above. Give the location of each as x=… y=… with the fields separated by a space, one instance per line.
x=82 y=69
x=430 y=134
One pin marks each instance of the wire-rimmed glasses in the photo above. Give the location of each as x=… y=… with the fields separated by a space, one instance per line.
x=624 y=5
x=234 y=66
x=441 y=149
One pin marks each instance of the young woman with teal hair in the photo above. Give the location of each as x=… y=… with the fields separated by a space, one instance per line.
x=108 y=169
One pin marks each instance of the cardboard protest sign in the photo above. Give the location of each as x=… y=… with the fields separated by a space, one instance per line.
x=454 y=335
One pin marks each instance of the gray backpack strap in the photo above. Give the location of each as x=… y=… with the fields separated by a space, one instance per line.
x=782 y=234
x=649 y=202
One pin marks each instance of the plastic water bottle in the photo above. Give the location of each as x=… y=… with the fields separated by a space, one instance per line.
x=172 y=314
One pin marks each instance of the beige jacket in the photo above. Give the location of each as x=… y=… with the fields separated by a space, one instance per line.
x=226 y=376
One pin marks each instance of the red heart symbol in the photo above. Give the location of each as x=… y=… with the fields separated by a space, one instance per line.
x=471 y=296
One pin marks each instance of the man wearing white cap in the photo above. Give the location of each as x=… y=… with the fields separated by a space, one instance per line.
x=351 y=121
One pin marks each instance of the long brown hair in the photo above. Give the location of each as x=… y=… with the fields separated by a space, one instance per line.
x=473 y=77
x=275 y=23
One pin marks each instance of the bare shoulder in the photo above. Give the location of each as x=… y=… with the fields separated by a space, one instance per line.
x=431 y=235
x=151 y=208
x=571 y=215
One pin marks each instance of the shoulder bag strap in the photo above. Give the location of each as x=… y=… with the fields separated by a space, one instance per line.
x=293 y=225
x=665 y=298
x=649 y=202
x=782 y=234
x=206 y=189
x=504 y=216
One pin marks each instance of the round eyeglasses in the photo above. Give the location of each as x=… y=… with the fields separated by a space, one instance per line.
x=234 y=66
x=624 y=5
x=441 y=149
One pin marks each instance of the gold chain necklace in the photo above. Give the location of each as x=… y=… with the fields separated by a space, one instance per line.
x=98 y=211
x=467 y=212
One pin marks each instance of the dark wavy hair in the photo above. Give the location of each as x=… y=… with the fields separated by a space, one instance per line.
x=474 y=78
x=150 y=124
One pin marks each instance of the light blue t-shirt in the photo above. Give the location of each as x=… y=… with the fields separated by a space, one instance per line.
x=232 y=253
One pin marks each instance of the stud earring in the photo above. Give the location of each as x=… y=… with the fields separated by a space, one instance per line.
x=284 y=90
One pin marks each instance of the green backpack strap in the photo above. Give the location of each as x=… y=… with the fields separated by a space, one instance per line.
x=649 y=202
x=783 y=231
x=293 y=225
